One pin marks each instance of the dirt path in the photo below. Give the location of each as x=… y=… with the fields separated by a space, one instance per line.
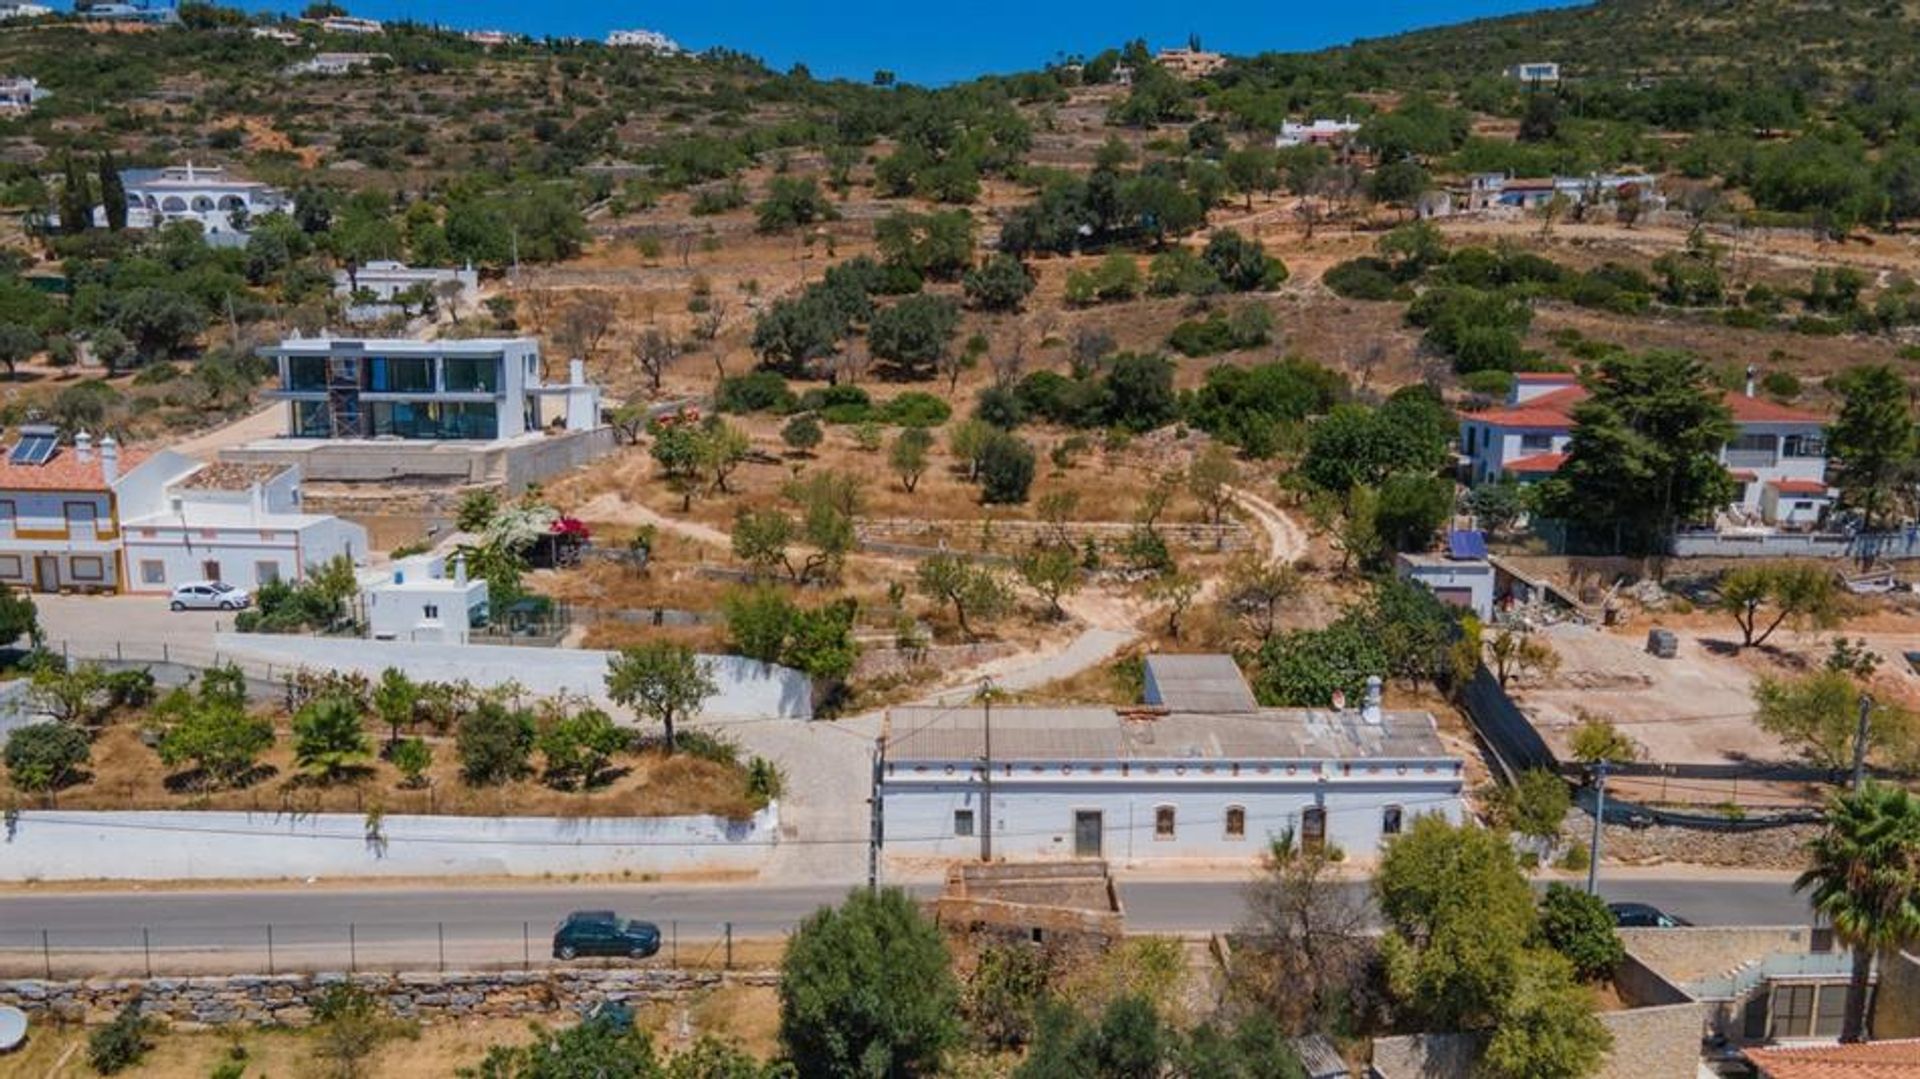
x=1286 y=540
x=612 y=508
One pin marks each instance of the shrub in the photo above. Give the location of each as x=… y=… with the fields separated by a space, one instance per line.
x=121 y=1044
x=1006 y=469
x=837 y=404
x=1365 y=278
x=1580 y=927
x=46 y=756
x=915 y=408
x=494 y=744
x=759 y=391
x=1496 y=384
x=802 y=434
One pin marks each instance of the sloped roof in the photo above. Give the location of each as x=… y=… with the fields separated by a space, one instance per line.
x=65 y=471
x=1066 y=735
x=1899 y=1059
x=1200 y=683
x=1798 y=487
x=1537 y=464
x=1555 y=410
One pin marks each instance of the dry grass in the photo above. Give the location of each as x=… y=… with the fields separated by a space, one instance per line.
x=126 y=774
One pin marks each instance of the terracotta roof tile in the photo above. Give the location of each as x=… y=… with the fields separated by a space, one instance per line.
x=1798 y=487
x=1760 y=410
x=1555 y=409
x=65 y=472
x=1538 y=463
x=1869 y=1060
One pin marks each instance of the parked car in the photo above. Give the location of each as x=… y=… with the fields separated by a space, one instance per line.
x=1644 y=916
x=602 y=932
x=210 y=596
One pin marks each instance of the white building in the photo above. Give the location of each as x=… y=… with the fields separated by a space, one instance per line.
x=18 y=94
x=1488 y=190
x=1773 y=444
x=492 y=38
x=1539 y=71
x=386 y=281
x=1159 y=783
x=1460 y=577
x=10 y=12
x=135 y=12
x=238 y=523
x=474 y=390
x=424 y=599
x=275 y=33
x=222 y=204
x=338 y=63
x=650 y=40
x=347 y=24
x=1315 y=133
x=61 y=509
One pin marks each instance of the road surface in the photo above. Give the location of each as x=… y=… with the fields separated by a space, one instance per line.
x=471 y=926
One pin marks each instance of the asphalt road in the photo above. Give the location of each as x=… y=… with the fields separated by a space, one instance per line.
x=325 y=927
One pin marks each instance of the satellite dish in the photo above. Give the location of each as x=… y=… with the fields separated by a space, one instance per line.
x=13 y=1028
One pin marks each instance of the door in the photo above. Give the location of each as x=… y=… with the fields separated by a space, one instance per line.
x=46 y=573
x=1313 y=829
x=1087 y=829
x=210 y=569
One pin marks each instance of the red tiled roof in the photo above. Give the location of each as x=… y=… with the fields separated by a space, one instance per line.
x=1743 y=475
x=1538 y=463
x=1798 y=487
x=1899 y=1059
x=65 y=472
x=1555 y=409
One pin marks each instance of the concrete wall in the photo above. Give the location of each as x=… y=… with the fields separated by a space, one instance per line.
x=1648 y=1043
x=1691 y=953
x=182 y=553
x=1896 y=1001
x=48 y=845
x=288 y=999
x=748 y=689
x=516 y=466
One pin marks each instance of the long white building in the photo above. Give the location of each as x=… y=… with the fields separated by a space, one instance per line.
x=1160 y=782
x=238 y=523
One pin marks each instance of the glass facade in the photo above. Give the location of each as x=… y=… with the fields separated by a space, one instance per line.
x=306 y=373
x=466 y=375
x=310 y=420
x=434 y=420
x=404 y=374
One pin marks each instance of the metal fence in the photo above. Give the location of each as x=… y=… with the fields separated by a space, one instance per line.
x=357 y=946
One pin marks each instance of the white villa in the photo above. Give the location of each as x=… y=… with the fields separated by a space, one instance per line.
x=348 y=24
x=1487 y=190
x=475 y=390
x=10 y=12
x=650 y=40
x=1199 y=772
x=275 y=33
x=386 y=281
x=337 y=63
x=1541 y=71
x=1778 y=457
x=220 y=203
x=424 y=599
x=1317 y=132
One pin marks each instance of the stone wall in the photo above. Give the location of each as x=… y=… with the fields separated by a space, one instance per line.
x=1648 y=1043
x=1896 y=1001
x=893 y=662
x=1768 y=848
x=1691 y=953
x=288 y=999
x=1013 y=536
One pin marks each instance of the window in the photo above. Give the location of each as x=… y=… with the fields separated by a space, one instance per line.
x=430 y=612
x=1803 y=446
x=465 y=374
x=1390 y=820
x=265 y=573
x=7 y=514
x=407 y=374
x=11 y=567
x=306 y=373
x=310 y=420
x=153 y=571
x=1831 y=1010
x=1792 y=1010
x=1802 y=507
x=1163 y=822
x=89 y=569
x=1536 y=443
x=963 y=822
x=1473 y=435
x=1236 y=822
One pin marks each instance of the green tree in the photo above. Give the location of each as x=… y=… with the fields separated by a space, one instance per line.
x=18 y=617
x=1798 y=592
x=908 y=455
x=1645 y=451
x=936 y=245
x=160 y=322
x=1006 y=467
x=412 y=757
x=598 y=1048
x=1864 y=878
x=1873 y=442
x=1053 y=573
x=1545 y=1027
x=1597 y=739
x=75 y=694
x=1242 y=264
x=122 y=1043
x=329 y=735
x=973 y=590
x=1818 y=714
x=395 y=700
x=660 y=681
x=802 y=434
x=1411 y=509
x=579 y=747
x=17 y=345
x=1141 y=387
x=914 y=334
x=113 y=193
x=494 y=744
x=1536 y=804
x=1002 y=283
x=44 y=757
x=212 y=731
x=792 y=202
x=1580 y=927
x=866 y=989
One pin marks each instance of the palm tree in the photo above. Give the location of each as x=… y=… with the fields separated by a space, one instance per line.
x=1865 y=878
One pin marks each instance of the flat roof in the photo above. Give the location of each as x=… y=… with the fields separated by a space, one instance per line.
x=1105 y=734
x=325 y=346
x=239 y=515
x=1200 y=683
x=232 y=476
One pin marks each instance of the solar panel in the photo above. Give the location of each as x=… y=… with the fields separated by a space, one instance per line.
x=33 y=449
x=1466 y=544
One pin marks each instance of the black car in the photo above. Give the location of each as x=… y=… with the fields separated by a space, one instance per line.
x=1644 y=916
x=602 y=932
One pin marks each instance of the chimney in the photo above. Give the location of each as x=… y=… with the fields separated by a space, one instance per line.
x=83 y=447
x=257 y=499
x=109 y=459
x=1371 y=711
x=1751 y=374
x=576 y=372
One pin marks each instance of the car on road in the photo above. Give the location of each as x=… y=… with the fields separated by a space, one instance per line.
x=209 y=596
x=602 y=932
x=1644 y=916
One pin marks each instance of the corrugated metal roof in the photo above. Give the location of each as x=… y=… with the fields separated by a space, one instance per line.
x=1102 y=734
x=1199 y=683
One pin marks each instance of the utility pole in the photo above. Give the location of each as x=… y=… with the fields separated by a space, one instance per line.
x=1860 y=741
x=1599 y=820
x=876 y=828
x=986 y=772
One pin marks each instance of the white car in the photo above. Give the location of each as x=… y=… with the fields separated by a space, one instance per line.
x=209 y=596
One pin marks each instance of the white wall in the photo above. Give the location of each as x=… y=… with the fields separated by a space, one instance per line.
x=748 y=689
x=183 y=555
x=1035 y=819
x=400 y=614
x=47 y=845
x=1475 y=577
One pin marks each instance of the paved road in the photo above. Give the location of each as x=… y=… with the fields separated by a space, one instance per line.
x=403 y=926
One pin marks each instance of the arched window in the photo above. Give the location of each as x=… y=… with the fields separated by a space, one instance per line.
x=1236 y=822
x=1163 y=822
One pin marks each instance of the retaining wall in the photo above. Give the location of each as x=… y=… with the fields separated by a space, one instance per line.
x=288 y=999
x=48 y=845
x=1006 y=536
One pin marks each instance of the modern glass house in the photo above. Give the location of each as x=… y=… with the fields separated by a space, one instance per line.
x=479 y=390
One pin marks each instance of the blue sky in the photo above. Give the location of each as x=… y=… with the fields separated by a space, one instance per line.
x=943 y=42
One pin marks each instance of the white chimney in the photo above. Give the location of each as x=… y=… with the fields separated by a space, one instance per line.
x=1371 y=711
x=576 y=372
x=109 y=459
x=83 y=446
x=460 y=565
x=1751 y=373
